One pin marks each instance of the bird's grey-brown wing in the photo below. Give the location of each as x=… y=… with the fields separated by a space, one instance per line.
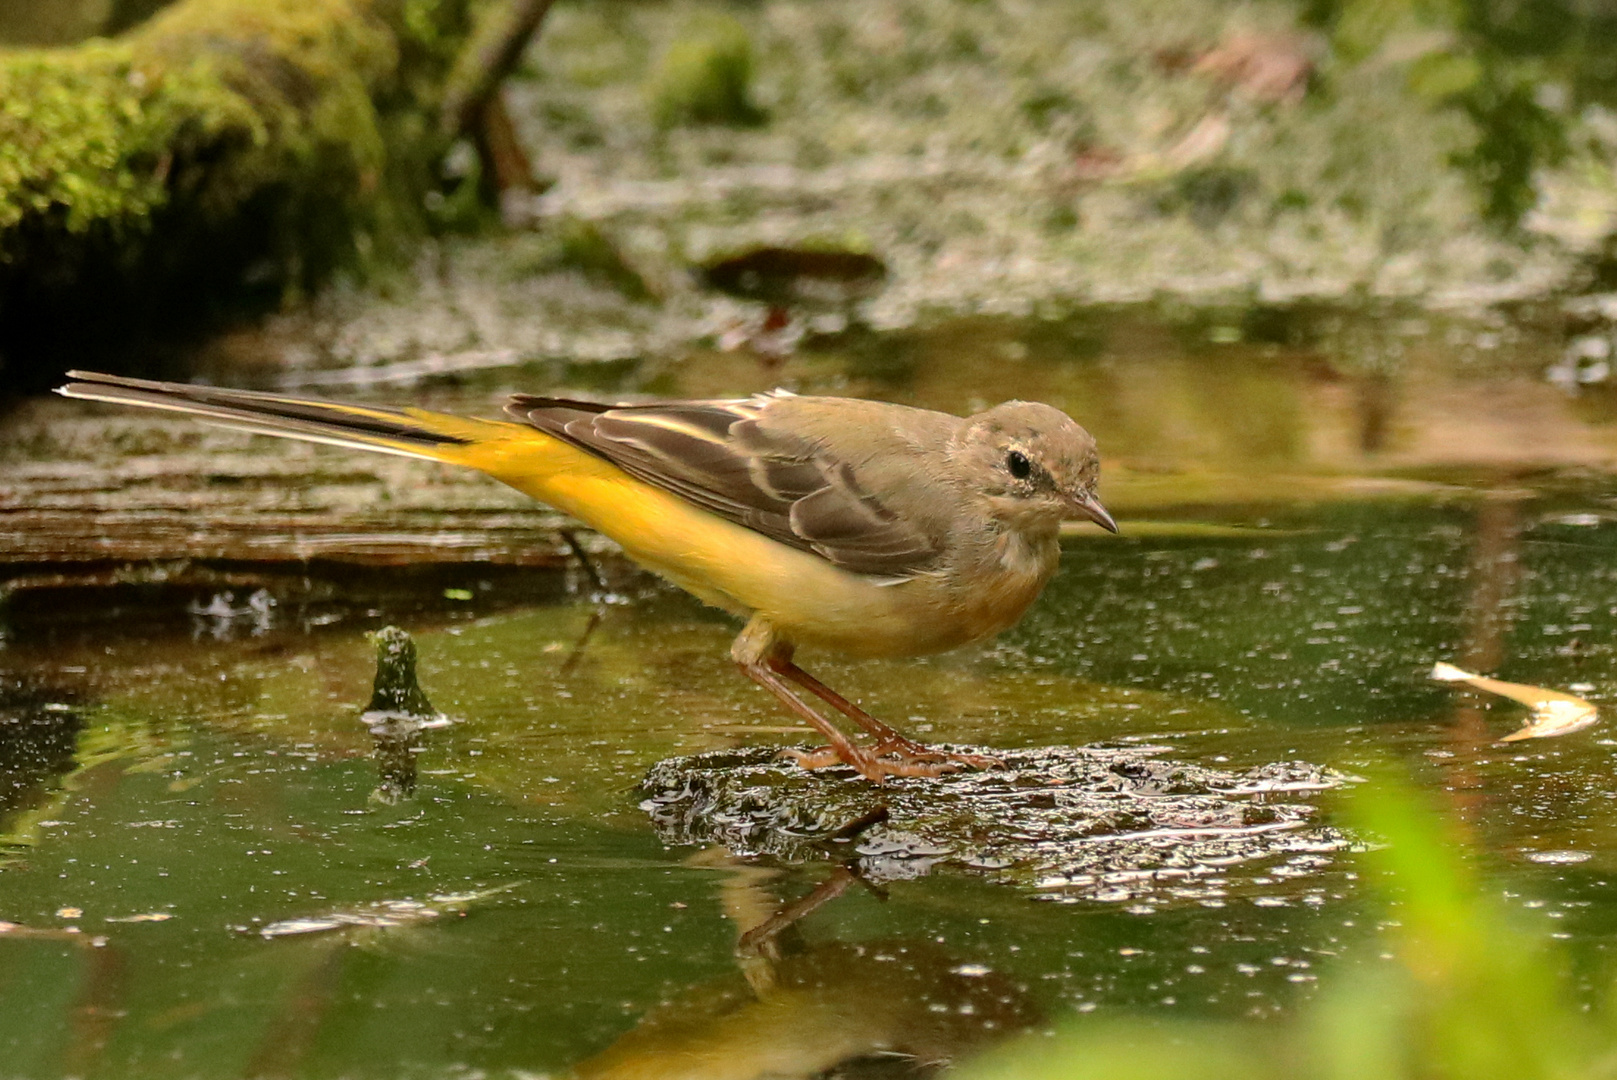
x=720 y=455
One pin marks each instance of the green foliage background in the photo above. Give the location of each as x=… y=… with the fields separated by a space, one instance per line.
x=1519 y=71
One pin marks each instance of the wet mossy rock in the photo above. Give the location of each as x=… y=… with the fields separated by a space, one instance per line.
x=1068 y=824
x=225 y=148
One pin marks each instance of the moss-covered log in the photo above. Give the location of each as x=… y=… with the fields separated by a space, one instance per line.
x=226 y=150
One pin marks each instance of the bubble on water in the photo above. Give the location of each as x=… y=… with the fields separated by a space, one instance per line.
x=1558 y=857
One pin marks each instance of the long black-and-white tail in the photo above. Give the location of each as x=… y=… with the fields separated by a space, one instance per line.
x=408 y=432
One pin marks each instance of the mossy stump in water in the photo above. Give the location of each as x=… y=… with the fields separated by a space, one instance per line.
x=225 y=149
x=396 y=693
x=398 y=713
x=1105 y=823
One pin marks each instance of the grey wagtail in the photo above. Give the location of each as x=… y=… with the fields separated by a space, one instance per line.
x=863 y=527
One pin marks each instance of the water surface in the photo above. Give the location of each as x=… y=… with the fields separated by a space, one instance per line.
x=184 y=775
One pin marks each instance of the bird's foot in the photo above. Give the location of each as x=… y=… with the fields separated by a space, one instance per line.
x=895 y=757
x=824 y=757
x=875 y=769
x=897 y=746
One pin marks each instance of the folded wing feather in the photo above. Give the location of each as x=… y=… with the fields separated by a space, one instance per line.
x=718 y=456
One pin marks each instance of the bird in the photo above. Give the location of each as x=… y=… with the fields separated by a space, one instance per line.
x=865 y=528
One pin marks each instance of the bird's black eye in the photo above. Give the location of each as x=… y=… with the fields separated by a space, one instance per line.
x=1020 y=466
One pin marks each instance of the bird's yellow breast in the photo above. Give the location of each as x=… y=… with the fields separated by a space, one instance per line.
x=809 y=600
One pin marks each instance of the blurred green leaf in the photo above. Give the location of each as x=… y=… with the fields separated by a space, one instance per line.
x=1363 y=25
x=1440 y=75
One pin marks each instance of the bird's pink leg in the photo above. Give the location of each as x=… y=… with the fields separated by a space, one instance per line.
x=765 y=660
x=889 y=741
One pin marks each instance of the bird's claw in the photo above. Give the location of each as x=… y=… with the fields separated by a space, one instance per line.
x=895 y=757
x=811 y=759
x=911 y=751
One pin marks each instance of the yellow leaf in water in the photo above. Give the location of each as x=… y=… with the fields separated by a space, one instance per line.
x=1554 y=713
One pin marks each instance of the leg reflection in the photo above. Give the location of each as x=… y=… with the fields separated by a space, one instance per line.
x=804 y=1006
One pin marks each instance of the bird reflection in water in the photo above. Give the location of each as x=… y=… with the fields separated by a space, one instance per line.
x=804 y=1008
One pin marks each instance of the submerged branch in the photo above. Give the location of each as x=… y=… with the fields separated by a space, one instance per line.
x=492 y=56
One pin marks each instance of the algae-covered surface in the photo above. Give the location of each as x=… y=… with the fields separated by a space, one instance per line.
x=216 y=861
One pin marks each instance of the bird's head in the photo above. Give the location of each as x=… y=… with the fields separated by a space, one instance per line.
x=1035 y=466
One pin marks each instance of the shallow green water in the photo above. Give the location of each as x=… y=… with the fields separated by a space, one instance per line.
x=179 y=788
x=221 y=779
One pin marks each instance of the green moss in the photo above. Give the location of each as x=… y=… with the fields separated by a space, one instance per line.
x=78 y=139
x=705 y=77
x=212 y=99
x=224 y=141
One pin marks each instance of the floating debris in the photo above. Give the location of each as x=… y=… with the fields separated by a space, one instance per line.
x=1558 y=858
x=785 y=277
x=222 y=616
x=1067 y=823
x=381 y=915
x=259 y=604
x=1554 y=713
x=64 y=933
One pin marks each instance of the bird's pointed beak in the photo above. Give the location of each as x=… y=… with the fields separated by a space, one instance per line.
x=1087 y=506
